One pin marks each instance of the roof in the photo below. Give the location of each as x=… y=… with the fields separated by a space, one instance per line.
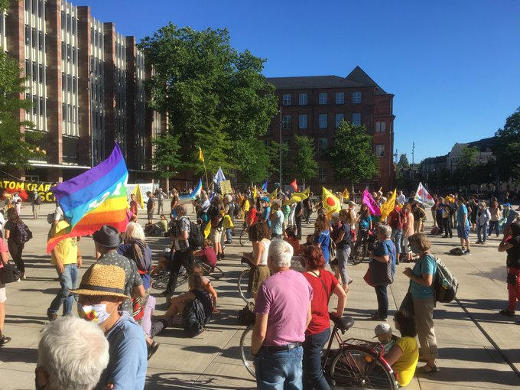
x=356 y=79
x=303 y=82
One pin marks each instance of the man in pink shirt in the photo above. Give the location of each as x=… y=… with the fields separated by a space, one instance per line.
x=283 y=312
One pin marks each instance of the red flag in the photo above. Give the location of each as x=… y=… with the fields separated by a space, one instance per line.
x=294 y=185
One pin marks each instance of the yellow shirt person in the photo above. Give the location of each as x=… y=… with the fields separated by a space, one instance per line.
x=406 y=364
x=66 y=249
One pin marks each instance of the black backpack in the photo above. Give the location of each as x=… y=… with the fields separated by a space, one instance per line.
x=21 y=233
x=196 y=238
x=445 y=284
x=194 y=318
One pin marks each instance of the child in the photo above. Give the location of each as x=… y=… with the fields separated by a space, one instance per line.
x=227 y=225
x=384 y=334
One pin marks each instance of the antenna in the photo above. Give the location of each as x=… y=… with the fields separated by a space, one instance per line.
x=413 y=153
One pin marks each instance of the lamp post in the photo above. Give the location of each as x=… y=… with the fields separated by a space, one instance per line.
x=280 y=150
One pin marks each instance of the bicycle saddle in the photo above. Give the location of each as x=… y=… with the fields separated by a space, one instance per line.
x=344 y=323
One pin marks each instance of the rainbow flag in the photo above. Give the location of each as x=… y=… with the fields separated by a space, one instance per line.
x=192 y=195
x=95 y=198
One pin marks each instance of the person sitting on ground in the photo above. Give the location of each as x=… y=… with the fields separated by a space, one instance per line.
x=260 y=235
x=101 y=292
x=177 y=305
x=206 y=283
x=383 y=332
x=207 y=254
x=404 y=355
x=72 y=354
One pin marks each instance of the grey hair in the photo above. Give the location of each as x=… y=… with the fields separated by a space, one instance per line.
x=281 y=253
x=135 y=231
x=387 y=230
x=73 y=352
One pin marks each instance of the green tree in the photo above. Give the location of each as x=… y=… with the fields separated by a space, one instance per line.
x=302 y=161
x=202 y=83
x=352 y=155
x=166 y=159
x=403 y=161
x=273 y=150
x=16 y=148
x=507 y=148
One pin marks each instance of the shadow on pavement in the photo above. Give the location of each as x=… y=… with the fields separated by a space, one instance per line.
x=14 y=319
x=477 y=354
x=168 y=380
x=24 y=355
x=457 y=375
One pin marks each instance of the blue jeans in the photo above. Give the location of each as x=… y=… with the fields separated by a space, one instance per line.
x=397 y=236
x=281 y=370
x=229 y=236
x=313 y=377
x=342 y=256
x=482 y=232
x=67 y=282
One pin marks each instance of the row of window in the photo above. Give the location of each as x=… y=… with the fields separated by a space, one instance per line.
x=323 y=98
x=34 y=38
x=36 y=7
x=96 y=38
x=69 y=53
x=68 y=23
x=37 y=71
x=69 y=83
x=69 y=113
x=38 y=104
x=323 y=120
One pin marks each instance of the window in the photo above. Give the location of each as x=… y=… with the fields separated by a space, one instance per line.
x=27 y=34
x=42 y=106
x=34 y=6
x=302 y=99
x=339 y=118
x=380 y=150
x=34 y=38
x=380 y=127
x=323 y=144
x=286 y=122
x=74 y=85
x=69 y=83
x=63 y=82
x=27 y=68
x=27 y=5
x=35 y=71
x=74 y=55
x=340 y=97
x=35 y=105
x=63 y=51
x=63 y=20
x=74 y=25
x=322 y=174
x=40 y=8
x=356 y=97
x=286 y=100
x=323 y=121
x=41 y=73
x=69 y=53
x=356 y=119
x=64 y=111
x=322 y=98
x=40 y=40
x=302 y=121
x=69 y=117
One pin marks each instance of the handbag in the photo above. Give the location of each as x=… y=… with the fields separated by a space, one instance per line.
x=9 y=273
x=368 y=277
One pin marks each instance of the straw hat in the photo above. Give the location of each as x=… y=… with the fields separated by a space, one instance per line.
x=103 y=280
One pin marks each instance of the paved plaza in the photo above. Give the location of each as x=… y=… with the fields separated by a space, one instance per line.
x=478 y=348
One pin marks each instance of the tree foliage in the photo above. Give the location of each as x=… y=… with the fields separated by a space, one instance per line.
x=166 y=155
x=352 y=155
x=16 y=148
x=216 y=97
x=507 y=148
x=302 y=161
x=403 y=161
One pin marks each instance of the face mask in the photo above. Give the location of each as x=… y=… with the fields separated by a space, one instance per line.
x=95 y=313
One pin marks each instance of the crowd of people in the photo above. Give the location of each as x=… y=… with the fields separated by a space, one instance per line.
x=291 y=281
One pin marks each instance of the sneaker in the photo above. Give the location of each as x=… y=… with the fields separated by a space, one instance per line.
x=467 y=252
x=4 y=340
x=506 y=313
x=51 y=316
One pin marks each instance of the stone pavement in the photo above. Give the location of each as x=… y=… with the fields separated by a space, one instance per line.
x=466 y=332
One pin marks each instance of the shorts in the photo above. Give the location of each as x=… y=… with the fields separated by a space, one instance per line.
x=463 y=232
x=257 y=275
x=3 y=296
x=149 y=214
x=216 y=235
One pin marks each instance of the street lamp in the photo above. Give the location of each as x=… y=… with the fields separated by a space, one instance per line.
x=280 y=149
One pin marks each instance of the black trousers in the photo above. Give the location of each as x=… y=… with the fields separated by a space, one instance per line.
x=16 y=253
x=446 y=225
x=180 y=259
x=298 y=221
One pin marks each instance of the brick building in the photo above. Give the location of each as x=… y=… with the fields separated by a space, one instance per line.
x=315 y=105
x=86 y=84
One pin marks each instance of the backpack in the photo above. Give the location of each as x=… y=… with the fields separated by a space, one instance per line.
x=396 y=220
x=195 y=238
x=38 y=200
x=21 y=233
x=194 y=318
x=445 y=285
x=456 y=252
x=142 y=256
x=246 y=316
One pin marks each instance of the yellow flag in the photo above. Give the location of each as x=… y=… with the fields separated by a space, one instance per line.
x=346 y=194
x=207 y=230
x=201 y=156
x=138 y=196
x=330 y=201
x=298 y=196
x=388 y=206
x=255 y=194
x=274 y=194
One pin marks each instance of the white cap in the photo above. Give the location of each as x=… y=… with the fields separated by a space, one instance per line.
x=382 y=328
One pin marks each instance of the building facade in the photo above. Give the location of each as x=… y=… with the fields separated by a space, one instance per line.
x=86 y=84
x=314 y=106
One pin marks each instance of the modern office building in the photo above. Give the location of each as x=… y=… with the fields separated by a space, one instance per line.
x=314 y=106
x=86 y=84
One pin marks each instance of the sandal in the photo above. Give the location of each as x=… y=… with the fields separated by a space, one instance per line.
x=152 y=349
x=428 y=369
x=4 y=340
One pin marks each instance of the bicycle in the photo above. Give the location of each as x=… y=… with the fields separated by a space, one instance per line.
x=244 y=235
x=356 y=364
x=161 y=277
x=243 y=281
x=364 y=244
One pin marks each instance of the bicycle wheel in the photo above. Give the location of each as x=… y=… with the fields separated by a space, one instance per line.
x=245 y=350
x=356 y=255
x=217 y=273
x=354 y=367
x=243 y=284
x=160 y=280
x=244 y=237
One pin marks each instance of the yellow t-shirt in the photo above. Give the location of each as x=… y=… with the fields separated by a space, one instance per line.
x=66 y=249
x=405 y=366
x=228 y=223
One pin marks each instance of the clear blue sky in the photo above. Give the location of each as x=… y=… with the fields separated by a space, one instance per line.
x=453 y=65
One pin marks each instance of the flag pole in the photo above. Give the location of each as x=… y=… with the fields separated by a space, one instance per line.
x=206 y=174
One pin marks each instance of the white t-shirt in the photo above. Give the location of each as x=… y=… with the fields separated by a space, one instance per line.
x=265 y=243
